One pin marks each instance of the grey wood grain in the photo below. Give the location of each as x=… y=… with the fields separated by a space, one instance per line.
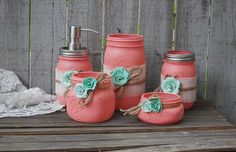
x=121 y=14
x=94 y=41
x=59 y=34
x=14 y=37
x=222 y=58
x=222 y=139
x=192 y=34
x=42 y=44
x=156 y=26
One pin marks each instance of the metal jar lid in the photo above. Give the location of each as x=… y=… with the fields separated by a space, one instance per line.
x=65 y=51
x=179 y=55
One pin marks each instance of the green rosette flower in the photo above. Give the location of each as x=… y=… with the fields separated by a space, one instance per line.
x=89 y=83
x=80 y=91
x=156 y=105
x=120 y=76
x=170 y=85
x=66 y=79
x=146 y=106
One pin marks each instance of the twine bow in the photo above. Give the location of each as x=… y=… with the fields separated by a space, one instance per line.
x=103 y=82
x=134 y=79
x=136 y=109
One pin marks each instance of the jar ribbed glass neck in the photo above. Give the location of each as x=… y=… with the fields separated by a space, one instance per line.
x=179 y=55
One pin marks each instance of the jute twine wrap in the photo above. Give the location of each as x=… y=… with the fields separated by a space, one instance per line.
x=135 y=110
x=134 y=79
x=103 y=82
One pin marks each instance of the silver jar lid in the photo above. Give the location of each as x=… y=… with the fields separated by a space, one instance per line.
x=179 y=55
x=65 y=51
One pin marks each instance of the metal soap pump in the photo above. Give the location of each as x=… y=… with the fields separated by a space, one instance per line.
x=72 y=58
x=75 y=48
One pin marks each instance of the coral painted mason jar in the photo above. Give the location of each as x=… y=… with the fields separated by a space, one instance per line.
x=171 y=110
x=158 y=108
x=69 y=62
x=180 y=64
x=125 y=60
x=91 y=98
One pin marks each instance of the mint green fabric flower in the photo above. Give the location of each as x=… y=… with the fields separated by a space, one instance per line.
x=66 y=79
x=156 y=105
x=170 y=85
x=146 y=106
x=89 y=83
x=120 y=76
x=80 y=91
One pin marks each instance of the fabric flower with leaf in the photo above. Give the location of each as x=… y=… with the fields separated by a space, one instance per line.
x=120 y=76
x=89 y=83
x=170 y=85
x=156 y=105
x=66 y=79
x=80 y=91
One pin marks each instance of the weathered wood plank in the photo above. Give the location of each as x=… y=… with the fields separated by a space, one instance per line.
x=117 y=141
x=59 y=33
x=222 y=58
x=201 y=146
x=94 y=41
x=192 y=34
x=121 y=14
x=14 y=26
x=156 y=26
x=42 y=44
x=200 y=118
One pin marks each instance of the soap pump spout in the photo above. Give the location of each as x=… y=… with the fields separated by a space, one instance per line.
x=75 y=34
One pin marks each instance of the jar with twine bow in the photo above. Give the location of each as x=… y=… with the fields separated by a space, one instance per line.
x=125 y=61
x=158 y=108
x=91 y=97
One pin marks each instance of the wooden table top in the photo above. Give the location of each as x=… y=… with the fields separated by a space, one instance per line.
x=202 y=129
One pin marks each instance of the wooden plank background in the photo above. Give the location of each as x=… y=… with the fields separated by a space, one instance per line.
x=32 y=31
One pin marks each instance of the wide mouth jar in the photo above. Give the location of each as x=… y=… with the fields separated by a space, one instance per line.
x=171 y=110
x=179 y=55
x=168 y=100
x=125 y=40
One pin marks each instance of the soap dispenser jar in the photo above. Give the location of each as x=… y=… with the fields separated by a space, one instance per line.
x=72 y=59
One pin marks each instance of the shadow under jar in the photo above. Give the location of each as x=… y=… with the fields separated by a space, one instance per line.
x=181 y=65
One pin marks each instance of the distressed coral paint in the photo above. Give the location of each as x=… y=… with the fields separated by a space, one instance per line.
x=69 y=64
x=172 y=109
x=183 y=71
x=126 y=50
x=100 y=109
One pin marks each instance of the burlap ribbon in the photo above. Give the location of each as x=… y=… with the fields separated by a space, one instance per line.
x=158 y=89
x=103 y=82
x=134 y=79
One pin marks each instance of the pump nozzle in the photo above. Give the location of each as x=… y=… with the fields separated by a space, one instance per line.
x=75 y=36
